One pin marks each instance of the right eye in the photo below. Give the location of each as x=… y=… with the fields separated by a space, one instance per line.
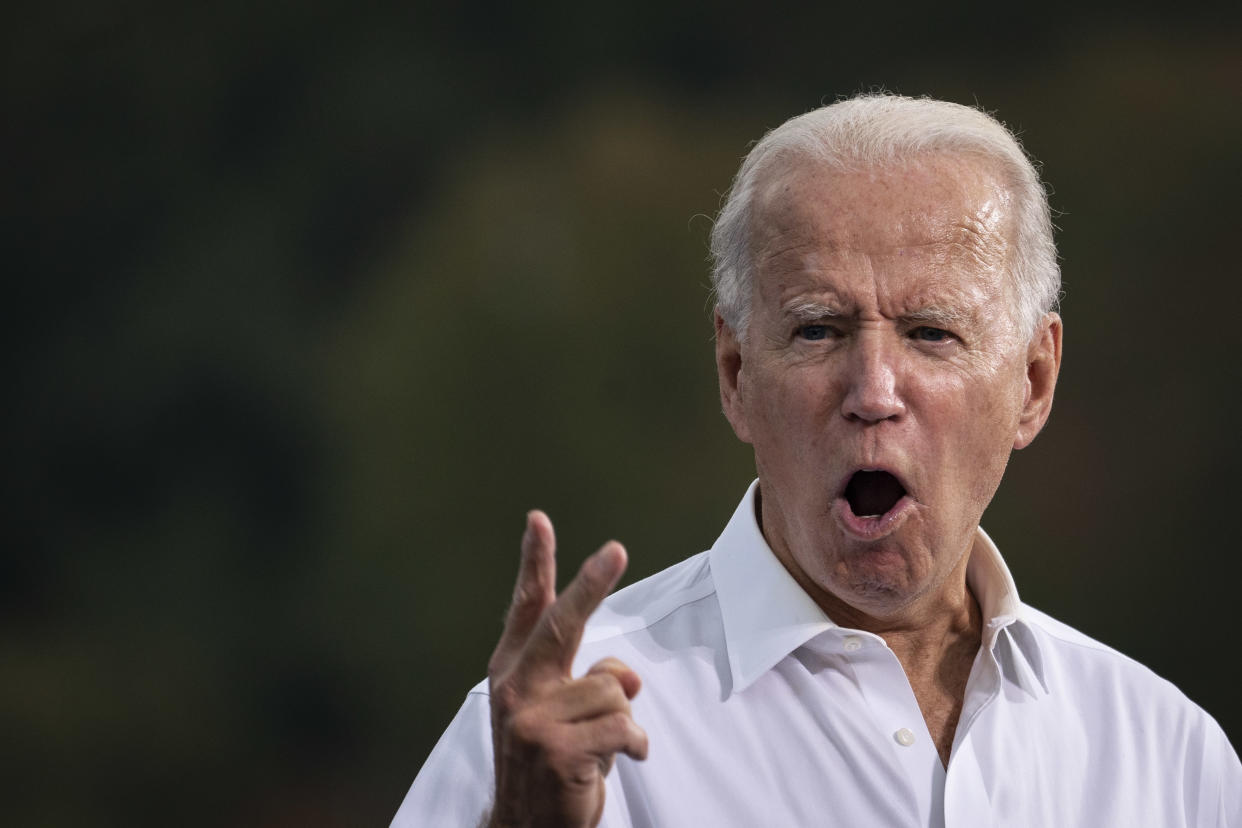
x=814 y=332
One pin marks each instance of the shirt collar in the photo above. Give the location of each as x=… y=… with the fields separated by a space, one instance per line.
x=767 y=615
x=1010 y=639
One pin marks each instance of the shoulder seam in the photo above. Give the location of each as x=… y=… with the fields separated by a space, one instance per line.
x=1077 y=640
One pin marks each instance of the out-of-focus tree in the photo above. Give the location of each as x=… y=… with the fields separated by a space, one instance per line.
x=309 y=303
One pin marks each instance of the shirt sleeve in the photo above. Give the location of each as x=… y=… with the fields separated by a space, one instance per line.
x=1230 y=794
x=454 y=787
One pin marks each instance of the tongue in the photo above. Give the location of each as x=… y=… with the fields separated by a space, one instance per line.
x=873 y=493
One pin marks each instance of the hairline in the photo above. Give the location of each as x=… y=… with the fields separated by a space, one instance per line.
x=883 y=131
x=776 y=167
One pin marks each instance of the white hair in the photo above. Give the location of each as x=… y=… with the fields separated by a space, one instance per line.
x=878 y=130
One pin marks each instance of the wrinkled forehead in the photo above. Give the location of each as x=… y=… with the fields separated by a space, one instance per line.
x=935 y=194
x=952 y=213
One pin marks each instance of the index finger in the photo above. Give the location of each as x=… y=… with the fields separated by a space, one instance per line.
x=534 y=589
x=553 y=643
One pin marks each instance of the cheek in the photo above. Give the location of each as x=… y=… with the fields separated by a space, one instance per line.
x=791 y=402
x=979 y=431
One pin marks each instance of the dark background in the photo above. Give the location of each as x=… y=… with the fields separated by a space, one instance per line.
x=308 y=303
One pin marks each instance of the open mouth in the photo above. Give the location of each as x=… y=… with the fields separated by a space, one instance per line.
x=873 y=493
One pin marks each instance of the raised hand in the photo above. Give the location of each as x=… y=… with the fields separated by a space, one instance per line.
x=555 y=736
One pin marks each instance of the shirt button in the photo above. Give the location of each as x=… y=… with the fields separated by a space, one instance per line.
x=853 y=644
x=904 y=737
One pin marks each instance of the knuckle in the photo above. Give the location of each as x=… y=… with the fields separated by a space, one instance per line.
x=617 y=726
x=583 y=774
x=528 y=726
x=572 y=761
x=573 y=766
x=610 y=664
x=523 y=596
x=607 y=688
x=604 y=680
x=505 y=695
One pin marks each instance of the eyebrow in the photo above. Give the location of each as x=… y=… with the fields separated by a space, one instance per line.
x=934 y=314
x=811 y=311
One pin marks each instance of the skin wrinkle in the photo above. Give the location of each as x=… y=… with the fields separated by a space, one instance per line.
x=779 y=229
x=961 y=310
x=873 y=260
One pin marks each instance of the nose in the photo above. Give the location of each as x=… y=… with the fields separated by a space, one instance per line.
x=872 y=392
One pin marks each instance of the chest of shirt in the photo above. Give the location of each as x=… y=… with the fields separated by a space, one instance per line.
x=834 y=736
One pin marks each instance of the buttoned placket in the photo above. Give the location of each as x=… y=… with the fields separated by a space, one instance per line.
x=952 y=797
x=966 y=800
x=897 y=720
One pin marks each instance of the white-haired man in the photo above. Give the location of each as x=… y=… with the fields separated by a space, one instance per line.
x=852 y=650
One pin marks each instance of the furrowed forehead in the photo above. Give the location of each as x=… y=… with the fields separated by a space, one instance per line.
x=943 y=307
x=942 y=222
x=799 y=195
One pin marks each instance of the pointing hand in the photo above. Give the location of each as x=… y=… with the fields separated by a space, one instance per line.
x=555 y=736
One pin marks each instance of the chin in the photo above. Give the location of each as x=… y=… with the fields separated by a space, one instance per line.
x=880 y=588
x=880 y=578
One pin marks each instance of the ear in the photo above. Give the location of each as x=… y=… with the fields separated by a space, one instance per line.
x=1043 y=363
x=732 y=380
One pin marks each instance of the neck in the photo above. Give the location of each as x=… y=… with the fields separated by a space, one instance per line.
x=925 y=629
x=929 y=625
x=926 y=644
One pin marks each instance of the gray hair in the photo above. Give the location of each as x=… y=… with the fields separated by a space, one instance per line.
x=877 y=130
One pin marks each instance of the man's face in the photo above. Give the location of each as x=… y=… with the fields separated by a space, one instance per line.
x=883 y=381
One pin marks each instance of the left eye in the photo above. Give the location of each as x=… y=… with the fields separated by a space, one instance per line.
x=927 y=334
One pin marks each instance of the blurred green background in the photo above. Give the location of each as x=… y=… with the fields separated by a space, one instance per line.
x=310 y=302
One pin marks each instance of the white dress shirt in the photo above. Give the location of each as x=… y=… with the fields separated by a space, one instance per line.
x=762 y=712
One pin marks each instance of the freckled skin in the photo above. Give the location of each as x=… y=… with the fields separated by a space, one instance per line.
x=920 y=370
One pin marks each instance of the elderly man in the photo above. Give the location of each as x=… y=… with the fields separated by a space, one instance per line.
x=852 y=650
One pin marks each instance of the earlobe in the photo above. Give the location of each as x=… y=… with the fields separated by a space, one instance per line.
x=1043 y=364
x=730 y=375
